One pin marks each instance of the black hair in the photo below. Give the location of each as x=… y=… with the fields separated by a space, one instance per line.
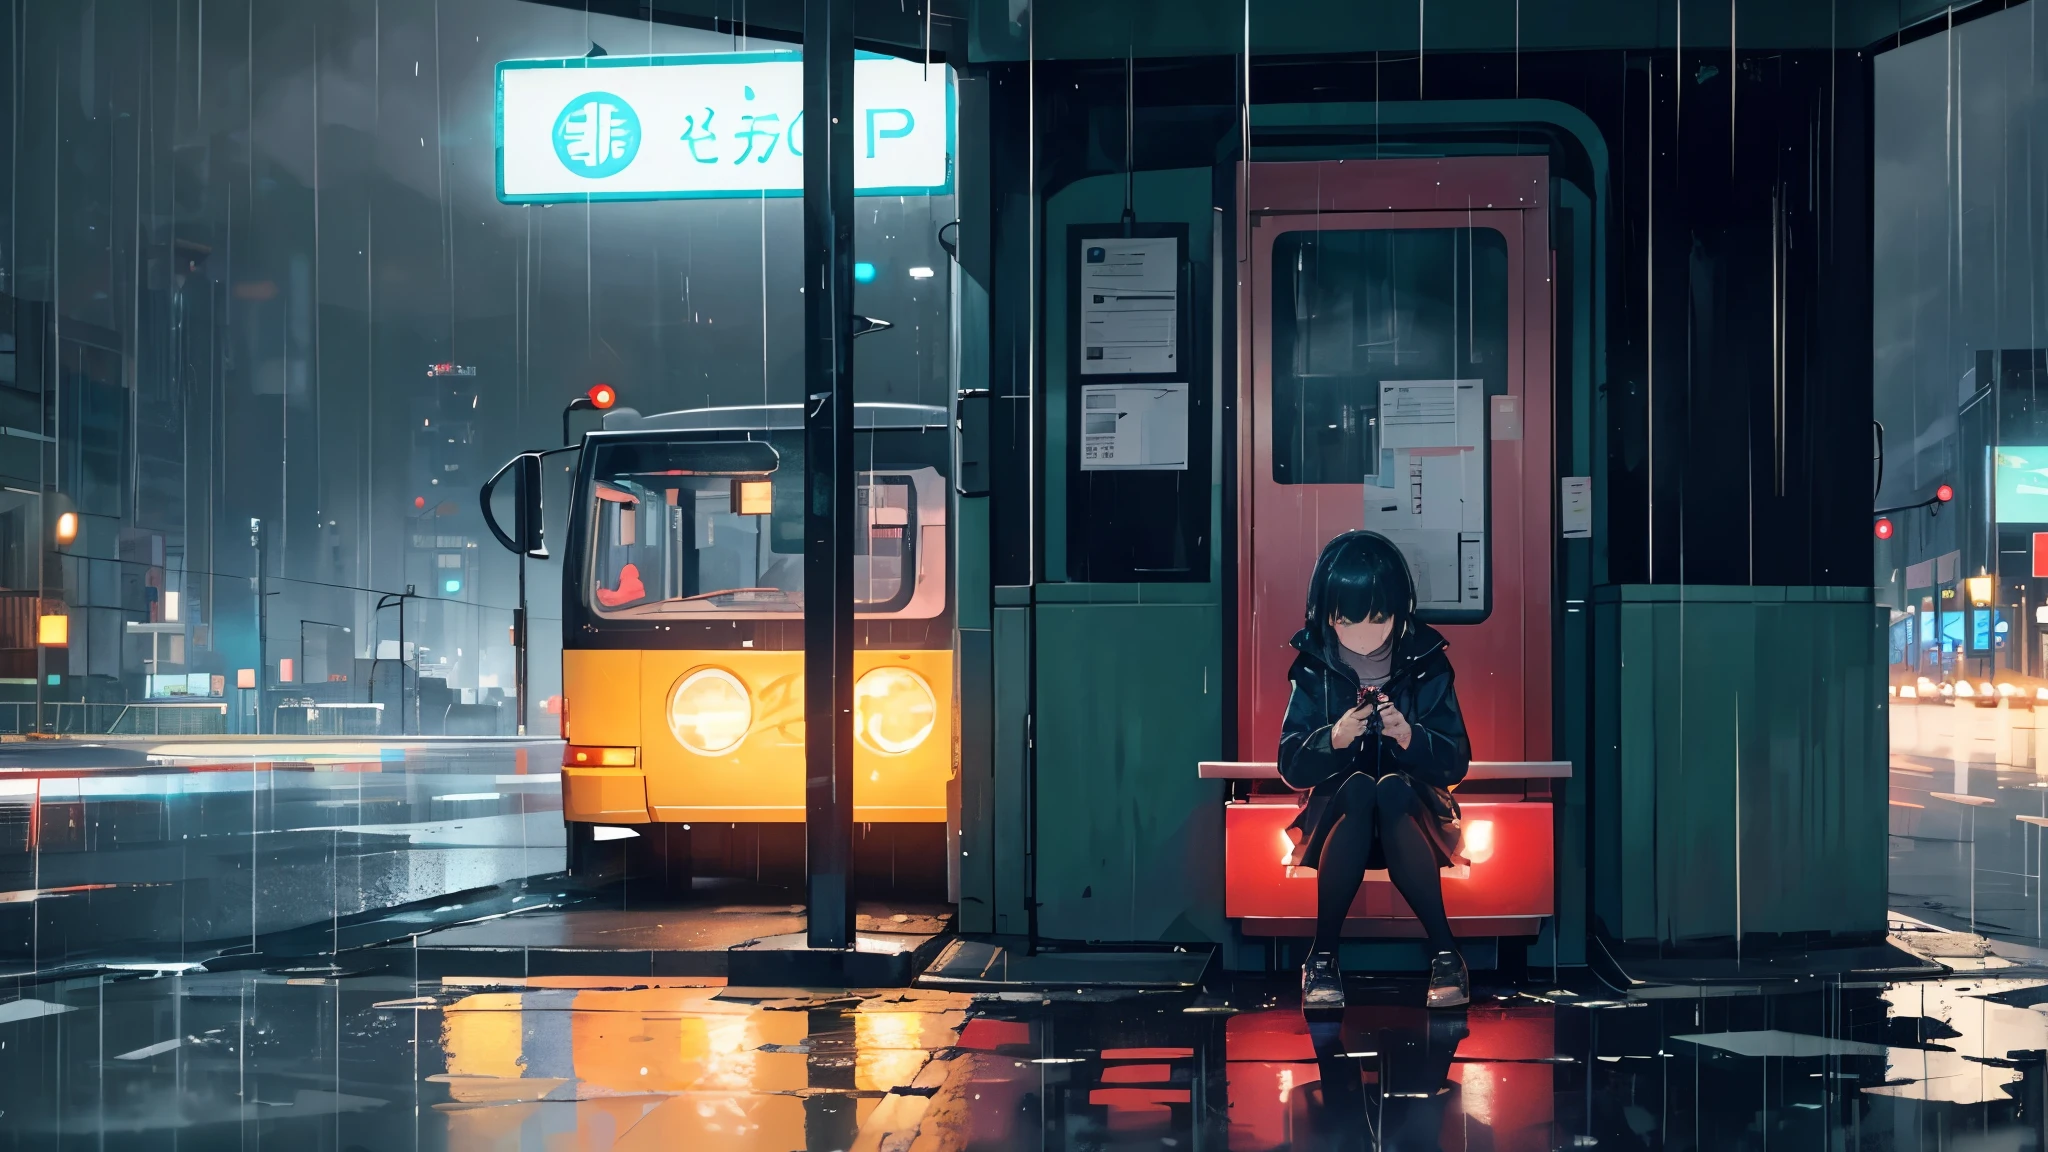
x=1360 y=575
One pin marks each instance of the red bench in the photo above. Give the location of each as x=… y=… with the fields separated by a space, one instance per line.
x=1507 y=890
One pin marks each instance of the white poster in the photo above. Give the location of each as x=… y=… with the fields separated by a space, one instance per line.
x=683 y=127
x=1429 y=495
x=1576 y=507
x=1130 y=305
x=1140 y=427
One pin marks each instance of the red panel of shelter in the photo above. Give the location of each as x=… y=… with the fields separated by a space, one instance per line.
x=1510 y=874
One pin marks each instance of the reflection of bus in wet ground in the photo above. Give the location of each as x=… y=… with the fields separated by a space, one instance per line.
x=682 y=636
x=711 y=1067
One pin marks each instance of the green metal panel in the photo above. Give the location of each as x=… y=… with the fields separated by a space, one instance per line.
x=1130 y=842
x=977 y=780
x=971 y=569
x=1125 y=593
x=976 y=657
x=1010 y=787
x=1572 y=232
x=1176 y=195
x=1739 y=771
x=1129 y=676
x=1076 y=29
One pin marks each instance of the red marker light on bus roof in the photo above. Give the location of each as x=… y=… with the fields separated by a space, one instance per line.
x=1944 y=493
x=1884 y=528
x=602 y=396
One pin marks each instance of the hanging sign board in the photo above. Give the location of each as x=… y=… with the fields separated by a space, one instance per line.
x=698 y=127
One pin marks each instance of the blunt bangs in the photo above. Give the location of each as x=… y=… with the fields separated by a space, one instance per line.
x=1360 y=576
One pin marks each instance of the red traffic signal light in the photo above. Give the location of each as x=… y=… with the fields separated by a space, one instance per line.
x=1884 y=528
x=602 y=396
x=1944 y=493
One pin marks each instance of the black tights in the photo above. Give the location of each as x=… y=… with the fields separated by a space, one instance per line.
x=1391 y=808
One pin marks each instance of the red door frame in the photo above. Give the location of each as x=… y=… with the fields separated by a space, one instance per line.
x=1504 y=661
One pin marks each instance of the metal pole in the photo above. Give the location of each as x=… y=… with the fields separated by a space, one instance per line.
x=579 y=404
x=519 y=648
x=402 y=664
x=828 y=469
x=42 y=572
x=262 y=618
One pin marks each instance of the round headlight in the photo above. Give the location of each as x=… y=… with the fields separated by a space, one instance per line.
x=709 y=711
x=893 y=710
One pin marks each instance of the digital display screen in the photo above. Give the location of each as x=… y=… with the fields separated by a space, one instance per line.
x=182 y=686
x=2020 y=473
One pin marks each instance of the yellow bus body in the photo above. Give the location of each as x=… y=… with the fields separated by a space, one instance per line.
x=618 y=699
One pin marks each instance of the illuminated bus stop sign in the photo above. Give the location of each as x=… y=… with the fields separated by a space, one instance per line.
x=696 y=127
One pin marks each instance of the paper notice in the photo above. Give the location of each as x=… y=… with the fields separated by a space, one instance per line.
x=1130 y=305
x=1576 y=506
x=1134 y=427
x=1429 y=494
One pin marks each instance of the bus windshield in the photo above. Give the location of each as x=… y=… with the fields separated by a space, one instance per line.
x=671 y=538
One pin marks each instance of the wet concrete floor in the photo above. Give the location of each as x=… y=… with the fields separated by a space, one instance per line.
x=267 y=1059
x=124 y=884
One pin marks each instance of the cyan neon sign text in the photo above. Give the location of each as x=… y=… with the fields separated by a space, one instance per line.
x=684 y=127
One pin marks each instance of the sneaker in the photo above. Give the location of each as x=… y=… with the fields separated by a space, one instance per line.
x=1322 y=985
x=1450 y=985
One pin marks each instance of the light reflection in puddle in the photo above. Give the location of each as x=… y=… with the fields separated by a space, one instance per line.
x=735 y=1073
x=560 y=1062
x=1975 y=1027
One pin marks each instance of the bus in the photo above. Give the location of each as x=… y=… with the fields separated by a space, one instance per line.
x=682 y=625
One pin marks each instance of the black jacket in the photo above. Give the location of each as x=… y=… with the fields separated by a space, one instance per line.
x=1420 y=685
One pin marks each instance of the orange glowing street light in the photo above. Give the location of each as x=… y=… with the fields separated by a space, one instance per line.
x=67 y=527
x=1980 y=591
x=53 y=630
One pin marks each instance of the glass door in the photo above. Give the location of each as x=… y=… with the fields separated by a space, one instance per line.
x=1397 y=378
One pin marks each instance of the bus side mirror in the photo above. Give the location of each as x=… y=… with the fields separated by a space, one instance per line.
x=528 y=523
x=970 y=438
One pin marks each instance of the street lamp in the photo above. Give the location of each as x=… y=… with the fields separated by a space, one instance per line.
x=385 y=601
x=48 y=626
x=1980 y=591
x=600 y=398
x=53 y=630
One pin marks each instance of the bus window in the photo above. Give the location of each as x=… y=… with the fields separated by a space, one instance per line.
x=671 y=541
x=884 y=541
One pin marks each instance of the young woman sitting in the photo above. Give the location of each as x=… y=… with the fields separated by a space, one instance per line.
x=1374 y=736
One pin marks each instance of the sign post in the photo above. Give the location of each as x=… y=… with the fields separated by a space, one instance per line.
x=828 y=185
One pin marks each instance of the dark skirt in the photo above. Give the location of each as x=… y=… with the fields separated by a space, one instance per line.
x=1441 y=821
